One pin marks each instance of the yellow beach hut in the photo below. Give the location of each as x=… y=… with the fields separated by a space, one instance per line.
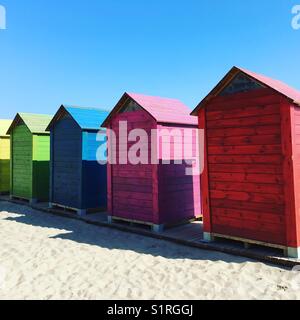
x=4 y=157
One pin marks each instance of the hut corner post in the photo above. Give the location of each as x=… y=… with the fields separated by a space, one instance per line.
x=157 y=228
x=291 y=172
x=205 y=203
x=109 y=177
x=11 y=166
x=51 y=171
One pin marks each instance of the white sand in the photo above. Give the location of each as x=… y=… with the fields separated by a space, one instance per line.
x=48 y=257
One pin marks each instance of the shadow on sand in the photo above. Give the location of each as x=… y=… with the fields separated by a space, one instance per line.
x=80 y=232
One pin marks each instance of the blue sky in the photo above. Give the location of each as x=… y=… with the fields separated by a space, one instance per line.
x=89 y=52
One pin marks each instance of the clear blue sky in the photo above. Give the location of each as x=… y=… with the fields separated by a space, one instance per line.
x=89 y=52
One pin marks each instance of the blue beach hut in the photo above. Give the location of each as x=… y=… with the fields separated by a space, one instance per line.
x=77 y=180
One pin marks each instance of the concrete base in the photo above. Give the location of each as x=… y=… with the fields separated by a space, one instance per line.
x=158 y=228
x=81 y=212
x=51 y=206
x=33 y=201
x=109 y=219
x=293 y=253
x=208 y=237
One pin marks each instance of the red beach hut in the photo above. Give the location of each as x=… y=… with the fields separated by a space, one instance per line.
x=150 y=191
x=251 y=182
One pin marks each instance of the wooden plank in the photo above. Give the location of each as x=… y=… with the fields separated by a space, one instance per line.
x=247 y=196
x=246 y=168
x=243 y=131
x=242 y=112
x=245 y=150
x=262 y=216
x=245 y=140
x=133 y=188
x=133 y=195
x=245 y=122
x=243 y=177
x=134 y=202
x=129 y=174
x=250 y=226
x=248 y=205
x=137 y=209
x=246 y=159
x=133 y=181
x=247 y=187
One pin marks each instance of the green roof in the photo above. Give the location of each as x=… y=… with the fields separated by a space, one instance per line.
x=36 y=123
x=4 y=125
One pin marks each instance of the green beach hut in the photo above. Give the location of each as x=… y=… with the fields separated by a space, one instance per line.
x=30 y=157
x=4 y=157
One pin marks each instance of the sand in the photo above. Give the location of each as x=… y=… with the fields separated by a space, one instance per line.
x=48 y=257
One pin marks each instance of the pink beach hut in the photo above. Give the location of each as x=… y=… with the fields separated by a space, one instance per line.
x=150 y=175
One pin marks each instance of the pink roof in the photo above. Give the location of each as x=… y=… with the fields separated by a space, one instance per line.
x=163 y=110
x=276 y=85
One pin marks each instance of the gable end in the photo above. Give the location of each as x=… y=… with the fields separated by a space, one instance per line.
x=241 y=83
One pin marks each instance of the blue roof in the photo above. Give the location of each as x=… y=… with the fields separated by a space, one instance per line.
x=86 y=118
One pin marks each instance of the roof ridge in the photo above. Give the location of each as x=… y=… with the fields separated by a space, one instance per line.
x=277 y=85
x=162 y=110
x=84 y=108
x=34 y=114
x=150 y=96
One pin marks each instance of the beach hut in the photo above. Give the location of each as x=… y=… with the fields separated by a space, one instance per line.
x=4 y=157
x=78 y=181
x=151 y=191
x=251 y=182
x=30 y=155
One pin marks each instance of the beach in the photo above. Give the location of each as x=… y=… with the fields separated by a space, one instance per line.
x=43 y=256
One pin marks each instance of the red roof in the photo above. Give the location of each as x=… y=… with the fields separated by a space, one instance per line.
x=276 y=85
x=163 y=110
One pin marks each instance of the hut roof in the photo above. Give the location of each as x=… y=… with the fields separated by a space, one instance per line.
x=86 y=118
x=4 y=125
x=163 y=110
x=36 y=123
x=276 y=85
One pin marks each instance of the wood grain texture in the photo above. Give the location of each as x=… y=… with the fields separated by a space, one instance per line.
x=291 y=173
x=78 y=180
x=21 y=162
x=246 y=179
x=4 y=164
x=152 y=193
